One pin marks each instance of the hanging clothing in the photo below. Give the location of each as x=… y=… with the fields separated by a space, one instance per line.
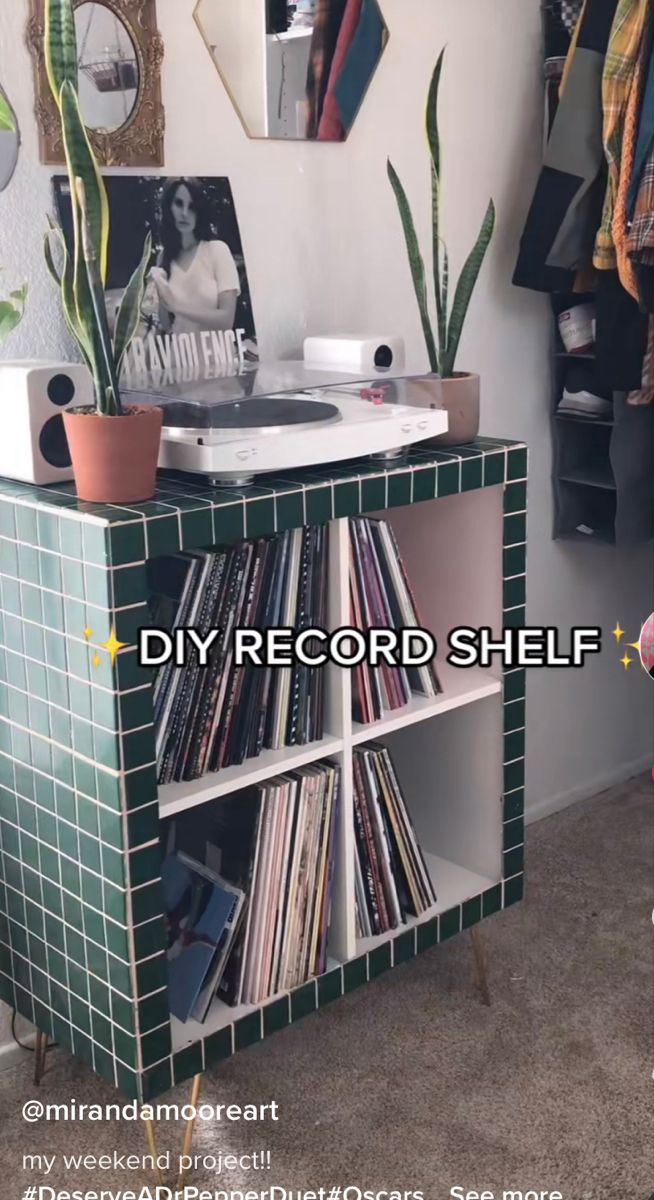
x=620 y=224
x=326 y=28
x=570 y=10
x=621 y=335
x=360 y=63
x=331 y=128
x=620 y=69
x=645 y=136
x=559 y=235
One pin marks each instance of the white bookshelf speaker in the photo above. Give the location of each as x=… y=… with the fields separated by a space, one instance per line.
x=365 y=355
x=33 y=396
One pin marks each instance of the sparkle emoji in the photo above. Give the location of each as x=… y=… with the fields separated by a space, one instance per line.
x=113 y=646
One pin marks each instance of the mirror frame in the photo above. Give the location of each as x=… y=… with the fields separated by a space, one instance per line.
x=140 y=141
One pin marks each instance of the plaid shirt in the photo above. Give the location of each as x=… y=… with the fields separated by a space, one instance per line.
x=619 y=73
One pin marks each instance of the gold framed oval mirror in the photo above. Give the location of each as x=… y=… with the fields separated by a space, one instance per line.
x=9 y=141
x=120 y=53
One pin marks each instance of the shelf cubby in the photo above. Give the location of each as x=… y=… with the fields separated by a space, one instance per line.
x=81 y=814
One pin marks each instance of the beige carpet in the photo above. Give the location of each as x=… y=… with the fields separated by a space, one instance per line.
x=412 y=1084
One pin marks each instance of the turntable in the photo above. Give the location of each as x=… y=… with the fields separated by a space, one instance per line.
x=283 y=416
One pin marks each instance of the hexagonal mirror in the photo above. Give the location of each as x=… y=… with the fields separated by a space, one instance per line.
x=296 y=71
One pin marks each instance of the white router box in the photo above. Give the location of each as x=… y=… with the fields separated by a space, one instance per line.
x=366 y=355
x=33 y=396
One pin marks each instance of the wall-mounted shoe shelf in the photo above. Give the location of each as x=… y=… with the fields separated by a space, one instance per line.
x=82 y=938
x=602 y=468
x=603 y=478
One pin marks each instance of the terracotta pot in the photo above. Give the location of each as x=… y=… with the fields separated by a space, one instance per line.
x=460 y=396
x=115 y=458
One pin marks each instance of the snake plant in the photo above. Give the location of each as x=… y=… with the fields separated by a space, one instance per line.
x=82 y=277
x=443 y=340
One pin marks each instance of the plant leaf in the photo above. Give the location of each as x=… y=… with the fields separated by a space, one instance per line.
x=129 y=313
x=433 y=139
x=7 y=119
x=65 y=282
x=416 y=264
x=465 y=288
x=82 y=164
x=10 y=317
x=433 y=136
x=20 y=294
x=441 y=312
x=107 y=381
x=445 y=295
x=60 y=44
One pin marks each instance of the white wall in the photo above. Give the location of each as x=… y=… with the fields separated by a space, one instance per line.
x=325 y=253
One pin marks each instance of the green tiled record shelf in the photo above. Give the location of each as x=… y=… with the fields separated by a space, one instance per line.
x=81 y=924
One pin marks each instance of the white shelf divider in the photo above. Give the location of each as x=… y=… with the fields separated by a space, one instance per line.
x=178 y=797
x=459 y=688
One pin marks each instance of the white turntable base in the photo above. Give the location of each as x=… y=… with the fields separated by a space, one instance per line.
x=236 y=456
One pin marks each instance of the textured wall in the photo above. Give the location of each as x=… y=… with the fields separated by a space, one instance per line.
x=325 y=253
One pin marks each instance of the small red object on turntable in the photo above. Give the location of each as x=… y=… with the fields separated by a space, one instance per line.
x=376 y=395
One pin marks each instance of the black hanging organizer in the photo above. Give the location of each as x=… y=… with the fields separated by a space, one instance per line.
x=603 y=470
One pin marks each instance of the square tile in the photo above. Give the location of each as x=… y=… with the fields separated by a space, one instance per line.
x=229 y=522
x=514 y=716
x=492 y=900
x=218 y=1046
x=330 y=987
x=471 y=912
x=318 y=505
x=517 y=464
x=127 y=543
x=515 y=498
x=515 y=592
x=448 y=479
x=514 y=685
x=514 y=805
x=247 y=1031
x=276 y=1016
x=379 y=960
x=514 y=862
x=471 y=474
x=346 y=500
x=188 y=1063
x=424 y=484
x=289 y=507
x=259 y=516
x=494 y=466
x=515 y=529
x=197 y=528
x=514 y=745
x=450 y=923
x=514 y=890
x=304 y=1001
x=514 y=775
x=404 y=947
x=514 y=833
x=399 y=489
x=355 y=973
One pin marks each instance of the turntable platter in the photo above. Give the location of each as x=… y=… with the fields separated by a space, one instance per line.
x=273 y=413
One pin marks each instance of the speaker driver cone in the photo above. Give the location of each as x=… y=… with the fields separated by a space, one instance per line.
x=53 y=443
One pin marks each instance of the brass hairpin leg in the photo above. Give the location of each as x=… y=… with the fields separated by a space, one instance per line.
x=40 y=1052
x=151 y=1135
x=481 y=970
x=152 y=1146
x=190 y=1130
